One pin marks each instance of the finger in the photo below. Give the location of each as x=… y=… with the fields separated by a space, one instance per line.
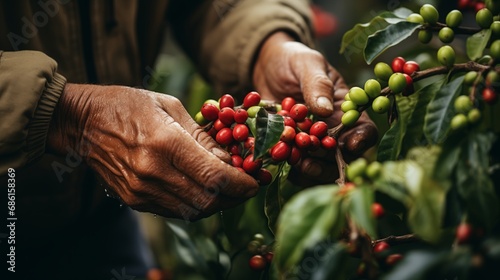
x=316 y=85
x=358 y=139
x=203 y=167
x=174 y=108
x=317 y=170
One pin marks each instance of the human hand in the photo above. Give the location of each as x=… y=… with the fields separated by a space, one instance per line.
x=284 y=68
x=148 y=151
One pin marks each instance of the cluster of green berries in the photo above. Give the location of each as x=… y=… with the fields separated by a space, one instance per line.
x=228 y=125
x=262 y=254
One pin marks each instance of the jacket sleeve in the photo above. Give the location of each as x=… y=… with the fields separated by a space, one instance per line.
x=223 y=36
x=29 y=90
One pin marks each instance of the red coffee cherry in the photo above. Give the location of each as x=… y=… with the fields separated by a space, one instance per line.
x=409 y=89
x=250 y=165
x=298 y=112
x=302 y=140
x=269 y=256
x=319 y=129
x=392 y=259
x=224 y=136
x=236 y=161
x=226 y=115
x=251 y=99
x=295 y=156
x=315 y=143
x=378 y=210
x=234 y=149
x=398 y=64
x=257 y=263
x=288 y=134
x=380 y=247
x=289 y=122
x=240 y=132
x=264 y=177
x=284 y=113
x=249 y=143
x=226 y=101
x=209 y=111
x=287 y=103
x=305 y=125
x=280 y=151
x=212 y=132
x=240 y=115
x=410 y=67
x=218 y=124
x=328 y=143
x=464 y=233
x=489 y=95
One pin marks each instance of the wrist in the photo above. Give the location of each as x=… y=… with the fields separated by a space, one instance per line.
x=68 y=120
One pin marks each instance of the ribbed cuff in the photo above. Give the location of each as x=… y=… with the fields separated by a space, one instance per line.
x=39 y=125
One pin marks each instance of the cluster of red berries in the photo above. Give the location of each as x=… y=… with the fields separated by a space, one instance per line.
x=262 y=256
x=406 y=68
x=465 y=5
x=227 y=124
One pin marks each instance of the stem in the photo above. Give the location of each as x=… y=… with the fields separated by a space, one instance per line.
x=457 y=30
x=407 y=238
x=341 y=164
x=335 y=131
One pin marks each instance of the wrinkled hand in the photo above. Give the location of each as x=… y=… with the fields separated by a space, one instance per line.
x=148 y=150
x=284 y=68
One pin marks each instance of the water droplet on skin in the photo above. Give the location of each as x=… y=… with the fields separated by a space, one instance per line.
x=154 y=215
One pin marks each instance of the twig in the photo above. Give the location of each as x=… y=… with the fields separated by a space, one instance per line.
x=393 y=239
x=341 y=164
x=457 y=30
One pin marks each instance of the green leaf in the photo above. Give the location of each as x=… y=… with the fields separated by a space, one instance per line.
x=390 y=144
x=331 y=265
x=357 y=36
x=477 y=43
x=306 y=219
x=360 y=209
x=440 y=111
x=268 y=131
x=274 y=200
x=417 y=265
x=415 y=125
x=186 y=249
x=473 y=181
x=388 y=37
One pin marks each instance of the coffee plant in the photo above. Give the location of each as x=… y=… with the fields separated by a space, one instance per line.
x=425 y=205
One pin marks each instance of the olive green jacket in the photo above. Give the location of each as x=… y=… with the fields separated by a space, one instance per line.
x=110 y=42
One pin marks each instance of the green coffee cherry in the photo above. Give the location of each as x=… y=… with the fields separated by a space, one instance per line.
x=492 y=78
x=381 y=104
x=397 y=82
x=462 y=104
x=424 y=36
x=383 y=71
x=458 y=122
x=358 y=96
x=415 y=18
x=372 y=88
x=446 y=56
x=252 y=111
x=495 y=49
x=485 y=60
x=347 y=97
x=356 y=169
x=495 y=28
x=429 y=13
x=212 y=101
x=484 y=18
x=474 y=115
x=446 y=35
x=350 y=117
x=348 y=105
x=199 y=119
x=454 y=18
x=373 y=170
x=470 y=77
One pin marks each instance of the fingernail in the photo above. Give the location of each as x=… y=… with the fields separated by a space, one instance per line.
x=314 y=169
x=325 y=103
